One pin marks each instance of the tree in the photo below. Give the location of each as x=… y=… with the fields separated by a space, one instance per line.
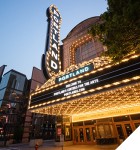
x=119 y=28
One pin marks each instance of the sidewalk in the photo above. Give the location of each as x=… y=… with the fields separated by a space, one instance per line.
x=50 y=146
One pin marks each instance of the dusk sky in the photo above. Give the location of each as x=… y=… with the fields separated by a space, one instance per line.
x=23 y=28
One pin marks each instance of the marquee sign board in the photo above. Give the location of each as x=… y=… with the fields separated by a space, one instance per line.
x=75 y=73
x=81 y=86
x=51 y=59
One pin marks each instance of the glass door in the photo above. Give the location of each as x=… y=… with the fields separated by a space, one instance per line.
x=128 y=129
x=78 y=135
x=75 y=135
x=88 y=134
x=120 y=132
x=81 y=135
x=94 y=134
x=136 y=124
x=84 y=135
x=123 y=130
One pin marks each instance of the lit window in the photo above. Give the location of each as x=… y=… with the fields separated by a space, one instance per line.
x=87 y=51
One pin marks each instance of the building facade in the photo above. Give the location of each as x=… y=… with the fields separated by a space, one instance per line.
x=1 y=71
x=42 y=126
x=14 y=102
x=79 y=46
x=17 y=124
x=95 y=100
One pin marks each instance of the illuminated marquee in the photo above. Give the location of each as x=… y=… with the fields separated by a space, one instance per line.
x=51 y=59
x=92 y=83
x=75 y=87
x=75 y=73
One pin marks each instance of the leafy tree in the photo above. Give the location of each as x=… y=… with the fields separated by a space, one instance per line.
x=119 y=28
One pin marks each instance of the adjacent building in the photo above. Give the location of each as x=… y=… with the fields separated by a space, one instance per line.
x=41 y=125
x=1 y=71
x=17 y=124
x=13 y=105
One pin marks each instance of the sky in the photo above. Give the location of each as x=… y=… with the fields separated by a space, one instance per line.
x=23 y=27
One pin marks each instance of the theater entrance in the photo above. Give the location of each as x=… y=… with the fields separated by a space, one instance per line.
x=124 y=130
x=125 y=125
x=84 y=135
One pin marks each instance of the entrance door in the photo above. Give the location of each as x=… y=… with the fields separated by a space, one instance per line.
x=90 y=134
x=75 y=135
x=123 y=130
x=94 y=134
x=136 y=124
x=120 y=132
x=78 y=135
x=128 y=129
x=84 y=135
x=81 y=135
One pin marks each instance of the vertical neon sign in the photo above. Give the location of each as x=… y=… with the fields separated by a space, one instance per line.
x=51 y=64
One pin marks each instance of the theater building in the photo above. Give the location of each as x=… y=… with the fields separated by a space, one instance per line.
x=95 y=100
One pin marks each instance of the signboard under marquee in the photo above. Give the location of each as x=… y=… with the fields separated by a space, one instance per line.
x=59 y=131
x=51 y=64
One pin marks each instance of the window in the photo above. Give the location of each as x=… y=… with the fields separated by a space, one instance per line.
x=78 y=124
x=105 y=130
x=67 y=132
x=121 y=118
x=101 y=131
x=87 y=51
x=89 y=122
x=135 y=117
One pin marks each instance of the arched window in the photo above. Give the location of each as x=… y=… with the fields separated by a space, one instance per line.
x=87 y=51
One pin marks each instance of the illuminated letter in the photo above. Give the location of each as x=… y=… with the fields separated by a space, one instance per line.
x=53 y=65
x=77 y=72
x=59 y=79
x=86 y=68
x=55 y=31
x=67 y=76
x=82 y=70
x=63 y=78
x=54 y=55
x=54 y=46
x=56 y=13
x=55 y=25
x=55 y=39
x=55 y=18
